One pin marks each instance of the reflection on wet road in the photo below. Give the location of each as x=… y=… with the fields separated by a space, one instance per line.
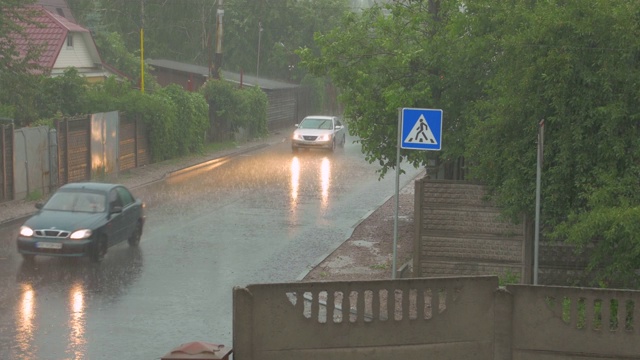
x=262 y=217
x=51 y=308
x=25 y=326
x=323 y=171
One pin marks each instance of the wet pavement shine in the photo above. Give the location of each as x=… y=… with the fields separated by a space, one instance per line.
x=259 y=217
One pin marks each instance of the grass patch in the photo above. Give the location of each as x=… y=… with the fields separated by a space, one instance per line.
x=508 y=277
x=34 y=195
x=207 y=149
x=379 y=267
x=218 y=146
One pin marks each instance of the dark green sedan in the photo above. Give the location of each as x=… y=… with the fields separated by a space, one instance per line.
x=83 y=219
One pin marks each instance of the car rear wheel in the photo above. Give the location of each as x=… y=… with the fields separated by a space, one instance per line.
x=134 y=239
x=99 y=249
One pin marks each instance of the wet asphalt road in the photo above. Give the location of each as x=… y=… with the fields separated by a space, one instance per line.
x=262 y=217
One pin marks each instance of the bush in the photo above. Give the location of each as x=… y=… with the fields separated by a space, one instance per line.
x=191 y=118
x=159 y=113
x=233 y=108
x=252 y=114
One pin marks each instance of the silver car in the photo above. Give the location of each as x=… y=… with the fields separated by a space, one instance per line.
x=318 y=132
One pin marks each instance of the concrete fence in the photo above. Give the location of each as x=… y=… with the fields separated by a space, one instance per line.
x=574 y=323
x=433 y=318
x=458 y=232
x=385 y=319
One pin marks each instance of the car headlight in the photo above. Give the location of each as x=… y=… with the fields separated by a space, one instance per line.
x=297 y=137
x=26 y=231
x=80 y=234
x=324 y=137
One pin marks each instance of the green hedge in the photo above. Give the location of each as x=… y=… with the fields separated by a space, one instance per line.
x=235 y=108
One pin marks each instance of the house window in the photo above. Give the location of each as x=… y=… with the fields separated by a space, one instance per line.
x=70 y=41
x=60 y=12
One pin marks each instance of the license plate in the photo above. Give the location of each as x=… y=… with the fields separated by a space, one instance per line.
x=48 y=245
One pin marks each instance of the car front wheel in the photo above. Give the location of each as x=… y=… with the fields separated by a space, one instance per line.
x=134 y=239
x=99 y=249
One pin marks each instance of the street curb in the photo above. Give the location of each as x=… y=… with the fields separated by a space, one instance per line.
x=214 y=160
x=186 y=169
x=320 y=259
x=15 y=220
x=230 y=154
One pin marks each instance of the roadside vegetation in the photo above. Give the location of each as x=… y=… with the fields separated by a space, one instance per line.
x=497 y=69
x=179 y=121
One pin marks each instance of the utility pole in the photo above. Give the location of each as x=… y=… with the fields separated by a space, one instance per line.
x=142 y=46
x=219 y=31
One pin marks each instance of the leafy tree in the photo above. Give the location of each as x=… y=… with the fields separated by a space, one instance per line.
x=114 y=52
x=63 y=95
x=287 y=25
x=175 y=30
x=18 y=78
x=575 y=65
x=389 y=57
x=186 y=31
x=497 y=69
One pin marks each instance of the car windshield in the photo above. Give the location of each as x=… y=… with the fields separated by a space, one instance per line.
x=311 y=123
x=76 y=201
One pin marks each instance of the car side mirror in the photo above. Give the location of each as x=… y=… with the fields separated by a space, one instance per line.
x=339 y=127
x=116 y=210
x=296 y=125
x=39 y=205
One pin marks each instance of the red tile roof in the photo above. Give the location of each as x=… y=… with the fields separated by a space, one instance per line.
x=49 y=31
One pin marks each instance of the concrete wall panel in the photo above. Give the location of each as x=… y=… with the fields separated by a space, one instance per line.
x=383 y=319
x=575 y=323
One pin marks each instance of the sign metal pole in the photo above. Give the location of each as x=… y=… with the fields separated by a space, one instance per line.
x=423 y=132
x=536 y=240
x=395 y=217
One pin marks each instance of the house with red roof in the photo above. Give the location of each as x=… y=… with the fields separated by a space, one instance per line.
x=62 y=44
x=59 y=7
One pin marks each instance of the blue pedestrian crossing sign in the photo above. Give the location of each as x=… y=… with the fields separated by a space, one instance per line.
x=421 y=129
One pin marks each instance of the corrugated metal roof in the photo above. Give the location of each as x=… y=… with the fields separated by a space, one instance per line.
x=247 y=80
